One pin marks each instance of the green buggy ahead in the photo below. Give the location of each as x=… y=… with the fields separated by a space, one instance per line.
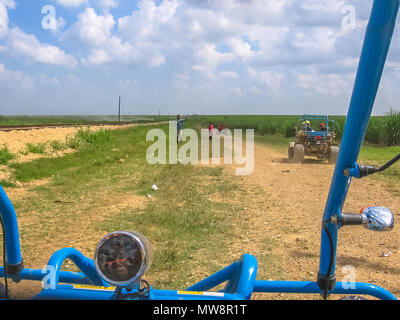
x=315 y=136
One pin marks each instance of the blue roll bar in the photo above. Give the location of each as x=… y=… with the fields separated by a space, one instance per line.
x=11 y=233
x=373 y=56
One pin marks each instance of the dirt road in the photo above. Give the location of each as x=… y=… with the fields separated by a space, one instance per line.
x=283 y=212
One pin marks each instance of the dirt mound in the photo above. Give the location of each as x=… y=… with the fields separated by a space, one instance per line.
x=16 y=140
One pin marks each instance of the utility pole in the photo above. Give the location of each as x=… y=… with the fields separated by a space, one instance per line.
x=119 y=109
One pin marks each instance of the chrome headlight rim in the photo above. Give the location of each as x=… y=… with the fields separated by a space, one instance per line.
x=144 y=247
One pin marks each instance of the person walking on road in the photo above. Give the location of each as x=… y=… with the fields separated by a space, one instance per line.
x=210 y=130
x=179 y=125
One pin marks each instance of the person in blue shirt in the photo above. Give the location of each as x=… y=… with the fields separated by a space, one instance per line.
x=179 y=125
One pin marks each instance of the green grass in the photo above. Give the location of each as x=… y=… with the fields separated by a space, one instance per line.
x=181 y=220
x=185 y=227
x=98 y=140
x=57 y=146
x=38 y=148
x=7 y=184
x=75 y=119
x=278 y=142
x=392 y=127
x=5 y=155
x=378 y=157
x=93 y=151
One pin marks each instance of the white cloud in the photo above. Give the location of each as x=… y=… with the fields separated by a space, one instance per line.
x=94 y=30
x=320 y=40
x=107 y=4
x=241 y=48
x=236 y=90
x=207 y=55
x=144 y=24
x=47 y=81
x=126 y=44
x=97 y=56
x=4 y=4
x=229 y=74
x=29 y=46
x=285 y=46
x=60 y=25
x=71 y=3
x=328 y=84
x=269 y=79
x=14 y=79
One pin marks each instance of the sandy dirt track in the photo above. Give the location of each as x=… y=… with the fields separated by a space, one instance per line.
x=16 y=140
x=284 y=205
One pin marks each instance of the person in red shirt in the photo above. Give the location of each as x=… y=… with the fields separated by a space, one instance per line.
x=322 y=127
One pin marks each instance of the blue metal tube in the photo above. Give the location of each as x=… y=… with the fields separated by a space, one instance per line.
x=261 y=286
x=240 y=275
x=38 y=275
x=83 y=263
x=11 y=236
x=312 y=287
x=247 y=276
x=69 y=292
x=215 y=279
x=374 y=52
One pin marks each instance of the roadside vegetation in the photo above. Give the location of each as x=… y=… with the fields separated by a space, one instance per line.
x=38 y=148
x=382 y=130
x=186 y=224
x=5 y=155
x=37 y=120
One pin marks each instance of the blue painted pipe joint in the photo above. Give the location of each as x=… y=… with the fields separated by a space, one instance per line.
x=360 y=170
x=352 y=171
x=14 y=263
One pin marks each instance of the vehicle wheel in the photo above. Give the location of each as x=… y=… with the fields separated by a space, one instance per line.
x=333 y=153
x=298 y=154
x=290 y=153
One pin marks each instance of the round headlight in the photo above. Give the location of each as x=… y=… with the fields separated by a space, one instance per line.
x=122 y=257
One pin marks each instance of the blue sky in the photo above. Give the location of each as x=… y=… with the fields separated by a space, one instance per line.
x=193 y=56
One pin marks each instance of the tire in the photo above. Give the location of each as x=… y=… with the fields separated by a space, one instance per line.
x=290 y=153
x=333 y=154
x=298 y=155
